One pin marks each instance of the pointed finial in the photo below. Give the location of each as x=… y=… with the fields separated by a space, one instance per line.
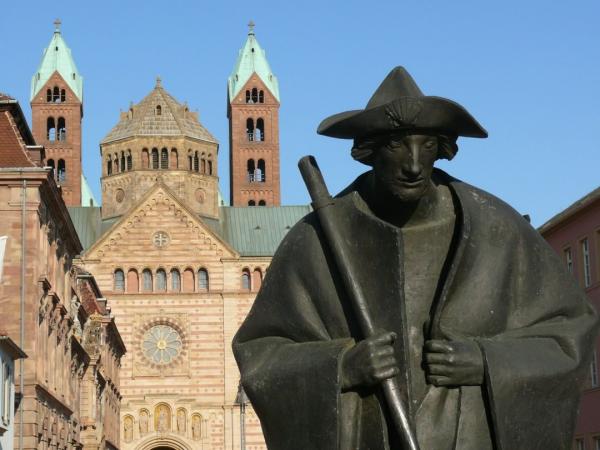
x=158 y=81
x=57 y=23
x=251 y=26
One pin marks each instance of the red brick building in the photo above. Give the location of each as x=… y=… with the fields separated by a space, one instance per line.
x=56 y=113
x=253 y=113
x=575 y=236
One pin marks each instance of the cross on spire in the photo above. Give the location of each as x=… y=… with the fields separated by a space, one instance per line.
x=158 y=81
x=251 y=26
x=57 y=24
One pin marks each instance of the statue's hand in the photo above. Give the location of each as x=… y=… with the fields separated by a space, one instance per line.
x=369 y=362
x=453 y=363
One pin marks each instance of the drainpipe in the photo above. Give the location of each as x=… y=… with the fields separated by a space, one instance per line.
x=22 y=312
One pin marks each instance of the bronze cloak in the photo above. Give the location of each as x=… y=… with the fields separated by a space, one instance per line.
x=502 y=285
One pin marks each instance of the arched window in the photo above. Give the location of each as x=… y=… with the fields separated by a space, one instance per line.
x=250 y=169
x=190 y=160
x=56 y=95
x=155 y=158
x=256 y=278
x=188 y=280
x=246 y=280
x=145 y=159
x=251 y=203
x=122 y=161
x=133 y=282
x=260 y=130
x=164 y=158
x=109 y=166
x=129 y=160
x=50 y=164
x=196 y=162
x=261 y=96
x=250 y=128
x=262 y=203
x=49 y=95
x=50 y=129
x=147 y=280
x=210 y=169
x=262 y=170
x=161 y=280
x=203 y=164
x=248 y=99
x=175 y=280
x=119 y=280
x=174 y=162
x=202 y=280
x=254 y=95
x=158 y=110
x=61 y=171
x=63 y=96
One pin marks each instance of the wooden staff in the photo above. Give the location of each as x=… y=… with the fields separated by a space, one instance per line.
x=321 y=201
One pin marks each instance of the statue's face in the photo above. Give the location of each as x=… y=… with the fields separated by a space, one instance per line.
x=402 y=167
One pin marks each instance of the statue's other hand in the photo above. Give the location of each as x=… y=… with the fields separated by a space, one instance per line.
x=453 y=363
x=369 y=362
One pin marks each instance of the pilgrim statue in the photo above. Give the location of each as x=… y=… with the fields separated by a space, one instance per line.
x=474 y=318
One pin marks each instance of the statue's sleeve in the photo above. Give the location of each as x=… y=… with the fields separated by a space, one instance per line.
x=288 y=358
x=536 y=369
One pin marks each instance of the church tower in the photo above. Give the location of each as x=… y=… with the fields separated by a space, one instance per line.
x=253 y=113
x=56 y=110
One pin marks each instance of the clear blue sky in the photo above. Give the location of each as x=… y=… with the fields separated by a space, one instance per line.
x=529 y=71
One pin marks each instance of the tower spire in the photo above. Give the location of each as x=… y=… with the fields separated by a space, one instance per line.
x=253 y=113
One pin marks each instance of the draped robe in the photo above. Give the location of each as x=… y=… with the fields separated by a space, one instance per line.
x=502 y=286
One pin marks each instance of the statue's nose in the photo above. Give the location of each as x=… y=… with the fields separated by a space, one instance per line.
x=413 y=166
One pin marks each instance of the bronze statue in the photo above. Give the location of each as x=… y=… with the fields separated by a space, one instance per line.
x=469 y=313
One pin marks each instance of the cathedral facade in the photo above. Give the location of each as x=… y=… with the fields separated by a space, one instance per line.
x=179 y=267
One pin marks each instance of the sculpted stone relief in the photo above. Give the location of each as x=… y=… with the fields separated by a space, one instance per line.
x=162 y=418
x=181 y=421
x=162 y=423
x=144 y=417
x=196 y=427
x=128 y=428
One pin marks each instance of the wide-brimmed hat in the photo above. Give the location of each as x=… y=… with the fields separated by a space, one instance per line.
x=398 y=104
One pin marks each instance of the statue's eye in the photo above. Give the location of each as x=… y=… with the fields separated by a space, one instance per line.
x=430 y=144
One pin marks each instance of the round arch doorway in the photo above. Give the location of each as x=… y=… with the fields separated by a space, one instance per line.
x=164 y=442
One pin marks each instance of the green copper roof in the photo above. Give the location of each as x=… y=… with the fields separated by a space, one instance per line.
x=250 y=230
x=258 y=230
x=57 y=57
x=87 y=222
x=252 y=58
x=87 y=196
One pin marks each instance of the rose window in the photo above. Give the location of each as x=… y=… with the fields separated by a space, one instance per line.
x=161 y=344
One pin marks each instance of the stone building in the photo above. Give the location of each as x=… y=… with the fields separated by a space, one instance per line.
x=575 y=236
x=40 y=299
x=180 y=268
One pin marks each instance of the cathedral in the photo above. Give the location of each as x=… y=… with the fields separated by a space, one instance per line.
x=179 y=267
